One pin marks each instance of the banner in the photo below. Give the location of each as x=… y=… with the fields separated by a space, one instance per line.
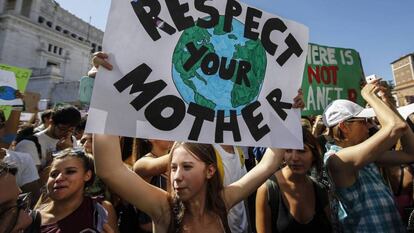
x=330 y=74
x=203 y=71
x=21 y=77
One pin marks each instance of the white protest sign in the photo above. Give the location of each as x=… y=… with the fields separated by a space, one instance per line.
x=213 y=71
x=8 y=88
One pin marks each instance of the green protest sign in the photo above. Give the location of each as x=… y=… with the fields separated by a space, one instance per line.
x=22 y=78
x=330 y=74
x=85 y=89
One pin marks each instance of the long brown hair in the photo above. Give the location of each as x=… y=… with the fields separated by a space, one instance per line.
x=214 y=200
x=314 y=146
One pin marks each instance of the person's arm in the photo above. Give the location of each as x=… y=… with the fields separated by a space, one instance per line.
x=149 y=167
x=241 y=189
x=132 y=188
x=351 y=159
x=112 y=218
x=263 y=212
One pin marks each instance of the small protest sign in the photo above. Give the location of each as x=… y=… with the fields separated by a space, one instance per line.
x=330 y=74
x=85 y=89
x=203 y=71
x=21 y=77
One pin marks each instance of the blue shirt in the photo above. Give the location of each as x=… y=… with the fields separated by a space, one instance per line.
x=367 y=205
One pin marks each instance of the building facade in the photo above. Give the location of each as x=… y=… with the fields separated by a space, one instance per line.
x=403 y=73
x=55 y=44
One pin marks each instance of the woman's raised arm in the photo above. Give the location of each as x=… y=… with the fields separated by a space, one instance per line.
x=241 y=189
x=132 y=188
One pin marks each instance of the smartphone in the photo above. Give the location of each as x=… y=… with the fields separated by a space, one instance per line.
x=372 y=78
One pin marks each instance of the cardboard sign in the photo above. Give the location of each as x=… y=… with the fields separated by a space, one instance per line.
x=31 y=101
x=330 y=74
x=203 y=71
x=21 y=76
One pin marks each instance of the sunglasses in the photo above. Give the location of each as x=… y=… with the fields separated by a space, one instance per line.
x=6 y=168
x=363 y=120
x=22 y=204
x=79 y=151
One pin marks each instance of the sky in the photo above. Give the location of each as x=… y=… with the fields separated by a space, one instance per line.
x=380 y=30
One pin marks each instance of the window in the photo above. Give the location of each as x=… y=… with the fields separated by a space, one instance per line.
x=41 y=19
x=60 y=51
x=49 y=24
x=58 y=28
x=55 y=48
x=10 y=5
x=66 y=32
x=74 y=35
x=26 y=8
x=52 y=64
x=50 y=48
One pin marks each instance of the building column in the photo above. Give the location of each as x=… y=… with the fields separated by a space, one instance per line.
x=18 y=7
x=2 y=5
x=35 y=10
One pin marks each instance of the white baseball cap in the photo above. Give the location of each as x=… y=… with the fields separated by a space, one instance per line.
x=342 y=110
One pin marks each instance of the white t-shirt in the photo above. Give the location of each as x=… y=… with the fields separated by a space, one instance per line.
x=47 y=145
x=26 y=168
x=233 y=171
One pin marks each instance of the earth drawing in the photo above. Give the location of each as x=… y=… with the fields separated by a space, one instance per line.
x=211 y=91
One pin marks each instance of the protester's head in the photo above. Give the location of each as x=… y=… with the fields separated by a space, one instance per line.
x=193 y=169
x=64 y=121
x=71 y=172
x=155 y=146
x=14 y=212
x=347 y=121
x=46 y=117
x=306 y=123
x=193 y=172
x=86 y=142
x=301 y=161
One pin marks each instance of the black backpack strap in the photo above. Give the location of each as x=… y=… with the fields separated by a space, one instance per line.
x=35 y=226
x=273 y=200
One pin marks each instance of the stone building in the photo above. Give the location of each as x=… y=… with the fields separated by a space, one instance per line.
x=55 y=44
x=403 y=73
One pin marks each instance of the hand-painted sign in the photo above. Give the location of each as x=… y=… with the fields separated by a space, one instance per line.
x=12 y=79
x=213 y=71
x=330 y=74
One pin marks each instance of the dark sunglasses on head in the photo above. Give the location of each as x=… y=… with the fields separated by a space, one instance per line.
x=365 y=120
x=22 y=204
x=6 y=168
x=79 y=151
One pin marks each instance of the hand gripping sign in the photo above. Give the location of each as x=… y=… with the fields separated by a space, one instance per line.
x=214 y=71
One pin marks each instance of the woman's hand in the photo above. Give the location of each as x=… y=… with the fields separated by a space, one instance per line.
x=298 y=101
x=371 y=89
x=99 y=59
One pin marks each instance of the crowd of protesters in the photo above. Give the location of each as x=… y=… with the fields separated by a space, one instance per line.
x=354 y=174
